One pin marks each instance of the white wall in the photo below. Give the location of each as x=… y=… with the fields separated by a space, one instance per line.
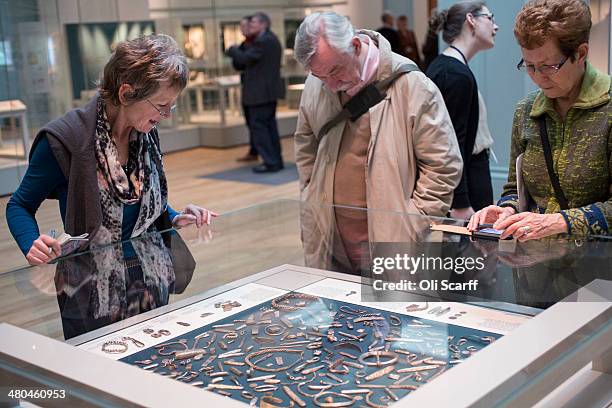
x=400 y=7
x=99 y=11
x=599 y=54
x=420 y=18
x=365 y=13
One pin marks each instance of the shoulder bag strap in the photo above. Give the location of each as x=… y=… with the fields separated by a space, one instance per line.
x=365 y=99
x=549 y=165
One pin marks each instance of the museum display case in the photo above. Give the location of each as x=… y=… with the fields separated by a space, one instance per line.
x=240 y=312
x=213 y=94
x=14 y=132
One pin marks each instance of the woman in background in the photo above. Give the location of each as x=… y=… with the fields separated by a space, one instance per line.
x=468 y=28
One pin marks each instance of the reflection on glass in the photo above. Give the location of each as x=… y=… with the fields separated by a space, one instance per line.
x=243 y=243
x=535 y=273
x=114 y=282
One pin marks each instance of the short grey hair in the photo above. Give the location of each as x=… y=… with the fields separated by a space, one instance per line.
x=336 y=29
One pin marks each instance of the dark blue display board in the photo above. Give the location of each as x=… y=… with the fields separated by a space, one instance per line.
x=332 y=351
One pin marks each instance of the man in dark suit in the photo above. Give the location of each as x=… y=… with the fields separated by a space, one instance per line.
x=262 y=87
x=245 y=29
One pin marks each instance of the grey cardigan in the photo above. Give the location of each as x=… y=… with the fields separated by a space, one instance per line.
x=72 y=140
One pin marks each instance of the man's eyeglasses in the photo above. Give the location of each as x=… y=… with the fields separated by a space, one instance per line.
x=542 y=69
x=164 y=113
x=491 y=17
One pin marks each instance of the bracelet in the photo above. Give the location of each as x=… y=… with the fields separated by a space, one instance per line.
x=289 y=308
x=137 y=343
x=121 y=347
x=350 y=310
x=161 y=347
x=274 y=330
x=254 y=366
x=393 y=357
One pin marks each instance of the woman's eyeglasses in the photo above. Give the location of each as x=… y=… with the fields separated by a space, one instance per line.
x=491 y=17
x=542 y=69
x=164 y=113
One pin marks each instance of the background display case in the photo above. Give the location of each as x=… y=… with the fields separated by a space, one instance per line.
x=14 y=143
x=14 y=131
x=546 y=314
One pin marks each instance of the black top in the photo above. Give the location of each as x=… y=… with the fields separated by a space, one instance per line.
x=393 y=37
x=460 y=91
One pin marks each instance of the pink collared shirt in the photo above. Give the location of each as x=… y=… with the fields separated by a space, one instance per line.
x=370 y=65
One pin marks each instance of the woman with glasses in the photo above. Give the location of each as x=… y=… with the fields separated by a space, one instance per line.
x=468 y=28
x=103 y=162
x=560 y=176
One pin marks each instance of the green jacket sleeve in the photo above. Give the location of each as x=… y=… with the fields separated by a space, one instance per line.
x=594 y=218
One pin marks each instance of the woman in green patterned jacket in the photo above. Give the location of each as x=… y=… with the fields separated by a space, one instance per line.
x=574 y=101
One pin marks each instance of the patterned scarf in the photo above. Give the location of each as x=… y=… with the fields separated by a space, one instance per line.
x=143 y=181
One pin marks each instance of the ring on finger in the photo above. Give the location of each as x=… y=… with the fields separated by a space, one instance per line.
x=526 y=229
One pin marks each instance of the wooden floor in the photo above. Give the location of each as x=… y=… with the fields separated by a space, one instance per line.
x=183 y=170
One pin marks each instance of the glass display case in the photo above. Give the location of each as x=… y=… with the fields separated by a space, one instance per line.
x=242 y=310
x=15 y=144
x=214 y=100
x=14 y=131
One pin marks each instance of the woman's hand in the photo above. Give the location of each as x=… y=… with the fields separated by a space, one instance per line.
x=527 y=225
x=43 y=250
x=193 y=214
x=489 y=215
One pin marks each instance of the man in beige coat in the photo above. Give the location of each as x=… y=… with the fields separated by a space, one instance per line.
x=401 y=156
